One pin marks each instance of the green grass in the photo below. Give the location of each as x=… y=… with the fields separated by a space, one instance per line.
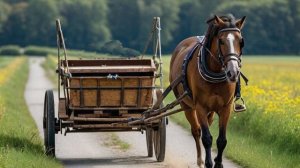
x=20 y=144
x=50 y=67
x=45 y=51
x=4 y=61
x=114 y=141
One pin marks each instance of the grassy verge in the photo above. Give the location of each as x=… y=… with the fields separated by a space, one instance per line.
x=50 y=66
x=20 y=144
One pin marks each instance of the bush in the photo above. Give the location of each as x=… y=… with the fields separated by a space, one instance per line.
x=37 y=51
x=10 y=50
x=130 y=52
x=115 y=47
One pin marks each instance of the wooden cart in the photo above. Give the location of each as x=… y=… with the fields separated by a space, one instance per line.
x=106 y=95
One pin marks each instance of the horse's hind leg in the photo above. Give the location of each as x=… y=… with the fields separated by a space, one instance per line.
x=222 y=141
x=196 y=132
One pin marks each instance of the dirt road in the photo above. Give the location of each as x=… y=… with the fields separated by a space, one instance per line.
x=90 y=149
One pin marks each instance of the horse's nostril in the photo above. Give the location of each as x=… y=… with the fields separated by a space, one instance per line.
x=228 y=74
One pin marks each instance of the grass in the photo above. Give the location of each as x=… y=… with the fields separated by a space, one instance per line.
x=115 y=142
x=20 y=144
x=50 y=65
x=4 y=61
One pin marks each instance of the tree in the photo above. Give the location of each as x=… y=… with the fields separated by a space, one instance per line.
x=5 y=10
x=167 y=10
x=85 y=25
x=14 y=28
x=40 y=22
x=124 y=21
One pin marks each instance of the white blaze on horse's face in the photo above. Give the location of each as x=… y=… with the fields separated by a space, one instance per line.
x=233 y=68
x=230 y=38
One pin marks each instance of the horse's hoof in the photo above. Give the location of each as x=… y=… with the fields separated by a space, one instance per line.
x=218 y=165
x=208 y=165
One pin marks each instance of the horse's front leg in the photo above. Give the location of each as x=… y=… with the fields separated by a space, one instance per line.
x=196 y=132
x=206 y=136
x=222 y=141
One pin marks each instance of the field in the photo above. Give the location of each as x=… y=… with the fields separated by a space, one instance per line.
x=267 y=134
x=20 y=144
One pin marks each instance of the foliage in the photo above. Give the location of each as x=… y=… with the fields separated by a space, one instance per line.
x=40 y=14
x=271 y=25
x=37 y=51
x=116 y=48
x=85 y=25
x=44 y=51
x=10 y=50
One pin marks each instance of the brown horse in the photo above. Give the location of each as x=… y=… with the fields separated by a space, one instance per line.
x=210 y=75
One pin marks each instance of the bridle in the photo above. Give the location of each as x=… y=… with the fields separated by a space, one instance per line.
x=223 y=59
x=213 y=77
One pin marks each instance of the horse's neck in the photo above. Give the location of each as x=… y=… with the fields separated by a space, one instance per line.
x=213 y=60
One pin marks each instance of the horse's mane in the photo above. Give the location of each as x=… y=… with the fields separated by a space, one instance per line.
x=213 y=29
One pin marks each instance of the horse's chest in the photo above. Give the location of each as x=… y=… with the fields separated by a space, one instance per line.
x=215 y=101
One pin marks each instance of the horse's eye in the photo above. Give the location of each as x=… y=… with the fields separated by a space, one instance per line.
x=242 y=43
x=221 y=42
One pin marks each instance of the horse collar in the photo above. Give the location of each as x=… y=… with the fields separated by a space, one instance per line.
x=203 y=69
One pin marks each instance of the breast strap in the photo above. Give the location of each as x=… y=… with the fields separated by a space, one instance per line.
x=186 y=61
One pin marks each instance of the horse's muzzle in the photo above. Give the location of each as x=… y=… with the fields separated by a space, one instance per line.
x=232 y=71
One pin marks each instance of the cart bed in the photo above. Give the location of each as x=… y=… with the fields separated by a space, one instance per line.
x=109 y=84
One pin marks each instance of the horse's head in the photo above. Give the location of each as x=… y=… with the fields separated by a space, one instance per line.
x=230 y=43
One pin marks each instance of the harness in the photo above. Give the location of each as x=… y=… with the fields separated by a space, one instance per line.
x=186 y=61
x=203 y=69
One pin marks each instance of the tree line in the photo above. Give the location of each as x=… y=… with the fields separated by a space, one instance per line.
x=271 y=25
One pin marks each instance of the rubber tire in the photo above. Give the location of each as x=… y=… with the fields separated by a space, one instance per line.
x=149 y=141
x=159 y=140
x=49 y=123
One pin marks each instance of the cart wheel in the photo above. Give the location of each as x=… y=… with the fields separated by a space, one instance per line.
x=159 y=140
x=149 y=141
x=49 y=123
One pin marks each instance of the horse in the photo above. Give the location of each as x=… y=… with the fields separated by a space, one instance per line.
x=209 y=67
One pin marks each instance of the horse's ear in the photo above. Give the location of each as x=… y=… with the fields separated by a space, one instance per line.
x=240 y=23
x=219 y=21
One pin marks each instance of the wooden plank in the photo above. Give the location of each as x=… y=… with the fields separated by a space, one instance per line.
x=110 y=98
x=116 y=126
x=110 y=62
x=130 y=95
x=62 y=114
x=75 y=94
x=146 y=94
x=89 y=96
x=110 y=70
x=101 y=119
x=110 y=66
